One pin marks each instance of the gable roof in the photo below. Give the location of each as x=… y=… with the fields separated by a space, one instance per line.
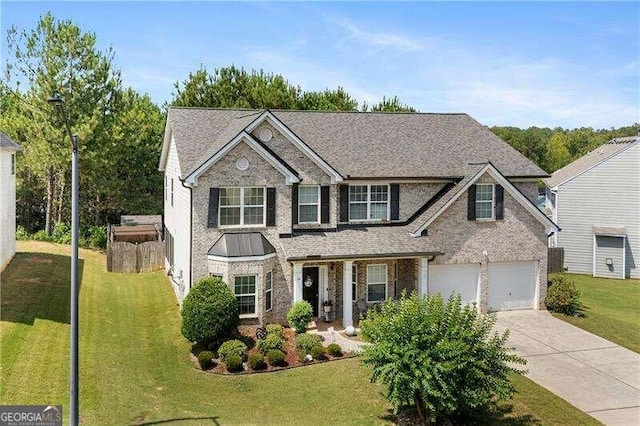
x=439 y=207
x=8 y=143
x=590 y=160
x=357 y=144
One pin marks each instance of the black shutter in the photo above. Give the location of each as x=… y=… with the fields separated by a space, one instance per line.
x=324 y=204
x=471 y=206
x=271 y=207
x=212 y=221
x=344 y=203
x=294 y=204
x=395 y=201
x=499 y=202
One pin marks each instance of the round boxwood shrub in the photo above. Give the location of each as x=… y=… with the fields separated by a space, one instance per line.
x=275 y=357
x=256 y=361
x=317 y=352
x=299 y=316
x=205 y=359
x=276 y=329
x=334 y=349
x=306 y=342
x=272 y=341
x=209 y=312
x=563 y=296
x=232 y=348
x=233 y=364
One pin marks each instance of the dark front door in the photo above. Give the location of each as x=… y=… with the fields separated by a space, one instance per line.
x=310 y=286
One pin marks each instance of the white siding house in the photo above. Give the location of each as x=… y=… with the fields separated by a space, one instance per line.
x=8 y=149
x=596 y=202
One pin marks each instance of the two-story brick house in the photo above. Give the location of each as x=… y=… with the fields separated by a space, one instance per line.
x=350 y=207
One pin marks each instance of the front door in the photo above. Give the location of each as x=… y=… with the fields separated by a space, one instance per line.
x=310 y=287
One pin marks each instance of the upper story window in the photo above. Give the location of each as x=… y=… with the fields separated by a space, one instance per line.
x=242 y=206
x=485 y=201
x=368 y=202
x=309 y=204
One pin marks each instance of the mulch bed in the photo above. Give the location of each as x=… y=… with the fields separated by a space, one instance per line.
x=247 y=334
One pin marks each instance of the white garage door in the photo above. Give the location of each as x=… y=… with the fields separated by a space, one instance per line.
x=463 y=279
x=512 y=285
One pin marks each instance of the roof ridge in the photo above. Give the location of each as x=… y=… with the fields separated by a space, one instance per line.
x=315 y=111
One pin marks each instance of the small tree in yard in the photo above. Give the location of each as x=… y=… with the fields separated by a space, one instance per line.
x=209 y=312
x=440 y=357
x=299 y=316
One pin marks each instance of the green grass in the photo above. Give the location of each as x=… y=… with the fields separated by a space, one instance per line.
x=611 y=309
x=135 y=367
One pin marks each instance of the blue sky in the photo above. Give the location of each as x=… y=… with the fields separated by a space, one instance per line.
x=546 y=64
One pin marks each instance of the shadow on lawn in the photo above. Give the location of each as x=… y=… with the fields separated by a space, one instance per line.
x=37 y=285
x=497 y=415
x=214 y=420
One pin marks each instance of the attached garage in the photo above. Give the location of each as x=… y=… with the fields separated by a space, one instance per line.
x=512 y=285
x=463 y=279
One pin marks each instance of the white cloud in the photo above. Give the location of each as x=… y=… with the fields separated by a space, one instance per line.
x=376 y=39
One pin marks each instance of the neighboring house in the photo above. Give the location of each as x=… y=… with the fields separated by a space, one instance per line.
x=8 y=149
x=596 y=202
x=350 y=207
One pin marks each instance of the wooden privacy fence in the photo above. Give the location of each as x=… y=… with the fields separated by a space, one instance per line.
x=555 y=262
x=128 y=257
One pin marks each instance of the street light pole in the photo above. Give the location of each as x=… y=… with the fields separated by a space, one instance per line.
x=73 y=369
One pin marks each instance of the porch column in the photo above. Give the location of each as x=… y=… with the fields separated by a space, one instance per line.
x=347 y=294
x=297 y=282
x=423 y=276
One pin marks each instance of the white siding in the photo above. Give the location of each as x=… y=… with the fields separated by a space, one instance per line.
x=7 y=208
x=177 y=221
x=607 y=195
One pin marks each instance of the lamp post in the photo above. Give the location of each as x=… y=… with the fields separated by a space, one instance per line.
x=58 y=102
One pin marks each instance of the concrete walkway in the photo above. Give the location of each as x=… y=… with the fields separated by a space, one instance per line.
x=597 y=376
x=334 y=336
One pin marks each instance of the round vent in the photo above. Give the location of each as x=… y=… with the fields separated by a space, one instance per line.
x=265 y=135
x=242 y=163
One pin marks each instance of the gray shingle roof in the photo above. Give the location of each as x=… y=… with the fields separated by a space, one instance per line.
x=589 y=160
x=242 y=244
x=7 y=142
x=357 y=144
x=382 y=241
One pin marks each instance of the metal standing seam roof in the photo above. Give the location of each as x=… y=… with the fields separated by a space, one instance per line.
x=7 y=142
x=360 y=144
x=602 y=153
x=241 y=244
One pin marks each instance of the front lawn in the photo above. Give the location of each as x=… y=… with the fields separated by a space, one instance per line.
x=611 y=309
x=135 y=367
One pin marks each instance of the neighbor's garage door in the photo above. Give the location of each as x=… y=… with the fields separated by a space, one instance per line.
x=512 y=285
x=463 y=279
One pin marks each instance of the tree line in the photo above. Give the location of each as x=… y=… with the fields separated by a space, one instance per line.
x=121 y=130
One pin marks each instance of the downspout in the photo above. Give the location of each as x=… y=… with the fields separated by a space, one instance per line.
x=190 y=231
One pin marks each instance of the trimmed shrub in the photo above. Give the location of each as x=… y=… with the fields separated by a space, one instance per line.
x=317 y=352
x=209 y=312
x=272 y=341
x=276 y=329
x=233 y=364
x=306 y=342
x=232 y=348
x=275 y=357
x=205 y=359
x=299 y=316
x=334 y=349
x=563 y=296
x=256 y=362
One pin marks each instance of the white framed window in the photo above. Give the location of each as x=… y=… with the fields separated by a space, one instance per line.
x=242 y=206
x=245 y=290
x=368 y=202
x=376 y=283
x=485 y=196
x=309 y=204
x=268 y=291
x=354 y=282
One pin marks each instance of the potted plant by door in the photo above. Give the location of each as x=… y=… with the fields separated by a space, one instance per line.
x=326 y=307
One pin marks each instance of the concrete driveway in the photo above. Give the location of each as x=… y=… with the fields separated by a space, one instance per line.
x=597 y=376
